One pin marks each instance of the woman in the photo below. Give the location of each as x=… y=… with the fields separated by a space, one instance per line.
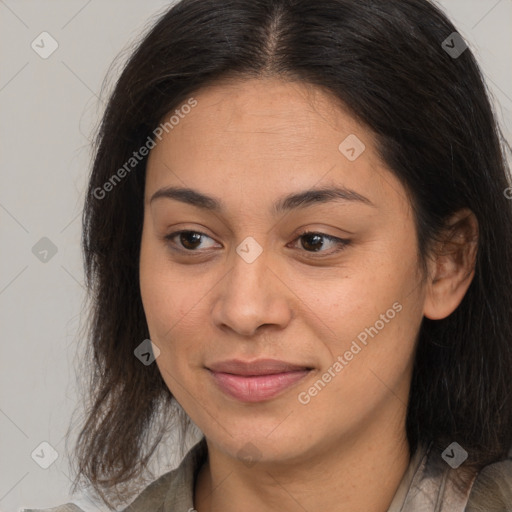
x=303 y=206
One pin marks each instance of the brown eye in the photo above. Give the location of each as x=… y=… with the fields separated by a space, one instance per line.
x=190 y=239
x=317 y=242
x=312 y=241
x=187 y=240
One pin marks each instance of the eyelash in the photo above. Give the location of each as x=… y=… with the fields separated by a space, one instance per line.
x=341 y=242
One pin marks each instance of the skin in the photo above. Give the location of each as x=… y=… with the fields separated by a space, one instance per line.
x=249 y=143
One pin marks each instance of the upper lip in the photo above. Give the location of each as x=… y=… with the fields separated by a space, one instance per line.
x=257 y=367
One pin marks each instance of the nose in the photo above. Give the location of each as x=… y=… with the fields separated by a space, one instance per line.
x=250 y=296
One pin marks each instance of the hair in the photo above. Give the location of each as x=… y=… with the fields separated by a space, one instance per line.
x=436 y=131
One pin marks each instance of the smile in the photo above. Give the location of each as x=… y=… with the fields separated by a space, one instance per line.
x=256 y=381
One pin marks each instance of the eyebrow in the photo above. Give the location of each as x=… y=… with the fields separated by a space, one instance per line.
x=284 y=204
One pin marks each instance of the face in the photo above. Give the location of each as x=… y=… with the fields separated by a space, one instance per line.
x=273 y=340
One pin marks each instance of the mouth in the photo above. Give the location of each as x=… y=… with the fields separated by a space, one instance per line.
x=256 y=381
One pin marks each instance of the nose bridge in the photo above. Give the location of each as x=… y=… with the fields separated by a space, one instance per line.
x=249 y=297
x=248 y=277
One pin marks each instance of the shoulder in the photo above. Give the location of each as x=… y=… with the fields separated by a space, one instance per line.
x=174 y=489
x=68 y=507
x=492 y=488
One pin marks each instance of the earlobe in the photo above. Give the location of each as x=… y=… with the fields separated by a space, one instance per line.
x=452 y=266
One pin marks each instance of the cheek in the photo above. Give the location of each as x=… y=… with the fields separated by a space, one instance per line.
x=169 y=307
x=165 y=307
x=369 y=319
x=160 y=294
x=344 y=304
x=176 y=309
x=371 y=359
x=163 y=289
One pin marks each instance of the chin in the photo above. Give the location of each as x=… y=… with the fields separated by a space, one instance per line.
x=262 y=441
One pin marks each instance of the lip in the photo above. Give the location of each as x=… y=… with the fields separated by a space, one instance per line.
x=256 y=381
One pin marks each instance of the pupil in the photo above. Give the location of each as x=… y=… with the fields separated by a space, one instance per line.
x=317 y=243
x=187 y=236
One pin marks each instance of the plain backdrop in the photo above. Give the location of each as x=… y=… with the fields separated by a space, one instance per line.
x=49 y=110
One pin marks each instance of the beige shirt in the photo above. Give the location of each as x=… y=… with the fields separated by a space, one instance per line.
x=428 y=485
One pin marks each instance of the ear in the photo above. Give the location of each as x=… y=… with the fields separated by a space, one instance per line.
x=452 y=265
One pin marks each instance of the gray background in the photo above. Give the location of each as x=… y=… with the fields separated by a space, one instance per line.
x=50 y=108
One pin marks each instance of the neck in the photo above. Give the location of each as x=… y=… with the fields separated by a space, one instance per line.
x=359 y=473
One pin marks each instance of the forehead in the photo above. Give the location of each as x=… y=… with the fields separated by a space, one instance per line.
x=252 y=136
x=292 y=116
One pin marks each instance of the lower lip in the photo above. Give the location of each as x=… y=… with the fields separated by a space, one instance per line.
x=256 y=388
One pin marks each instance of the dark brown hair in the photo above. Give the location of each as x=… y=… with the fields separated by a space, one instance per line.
x=435 y=128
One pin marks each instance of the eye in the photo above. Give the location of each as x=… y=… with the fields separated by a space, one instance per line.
x=188 y=240
x=313 y=241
